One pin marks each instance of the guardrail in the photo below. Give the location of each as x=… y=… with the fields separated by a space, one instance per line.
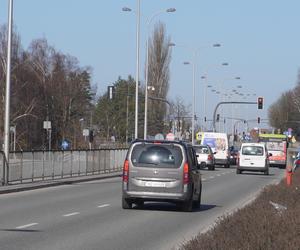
x=31 y=166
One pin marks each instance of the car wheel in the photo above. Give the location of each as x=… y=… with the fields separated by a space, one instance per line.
x=238 y=171
x=140 y=204
x=227 y=165
x=210 y=167
x=197 y=203
x=266 y=172
x=187 y=206
x=126 y=204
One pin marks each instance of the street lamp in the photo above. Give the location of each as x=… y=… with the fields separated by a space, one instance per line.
x=194 y=51
x=7 y=95
x=137 y=65
x=147 y=65
x=205 y=85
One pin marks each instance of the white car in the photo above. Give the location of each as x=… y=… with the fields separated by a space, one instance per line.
x=253 y=157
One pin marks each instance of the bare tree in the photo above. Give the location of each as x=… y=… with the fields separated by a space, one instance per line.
x=158 y=77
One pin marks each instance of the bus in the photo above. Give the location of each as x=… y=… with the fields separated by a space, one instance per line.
x=276 y=145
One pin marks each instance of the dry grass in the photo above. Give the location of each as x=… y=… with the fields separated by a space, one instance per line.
x=259 y=225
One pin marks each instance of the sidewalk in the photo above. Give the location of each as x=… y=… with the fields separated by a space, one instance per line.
x=11 y=188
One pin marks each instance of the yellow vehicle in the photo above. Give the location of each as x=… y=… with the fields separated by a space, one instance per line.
x=276 y=145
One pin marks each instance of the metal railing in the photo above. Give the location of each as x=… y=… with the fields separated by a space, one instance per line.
x=31 y=166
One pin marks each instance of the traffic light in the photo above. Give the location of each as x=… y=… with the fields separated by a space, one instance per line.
x=218 y=117
x=260 y=102
x=258 y=119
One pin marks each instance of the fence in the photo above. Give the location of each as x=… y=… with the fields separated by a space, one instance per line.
x=48 y=165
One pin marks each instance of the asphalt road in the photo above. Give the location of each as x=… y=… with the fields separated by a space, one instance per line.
x=89 y=215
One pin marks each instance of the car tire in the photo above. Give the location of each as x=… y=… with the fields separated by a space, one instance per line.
x=126 y=204
x=211 y=167
x=238 y=171
x=266 y=172
x=140 y=204
x=227 y=165
x=187 y=206
x=197 y=203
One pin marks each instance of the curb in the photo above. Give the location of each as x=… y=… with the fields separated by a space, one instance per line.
x=38 y=185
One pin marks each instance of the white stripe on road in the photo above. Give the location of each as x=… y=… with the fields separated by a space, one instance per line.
x=104 y=205
x=203 y=179
x=27 y=225
x=71 y=214
x=218 y=175
x=211 y=177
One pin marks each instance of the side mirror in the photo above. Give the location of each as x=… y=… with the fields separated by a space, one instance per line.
x=197 y=156
x=270 y=154
x=215 y=153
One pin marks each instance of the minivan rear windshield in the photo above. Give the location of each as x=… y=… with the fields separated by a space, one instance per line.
x=252 y=150
x=158 y=155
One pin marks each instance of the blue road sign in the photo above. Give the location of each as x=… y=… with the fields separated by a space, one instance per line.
x=65 y=145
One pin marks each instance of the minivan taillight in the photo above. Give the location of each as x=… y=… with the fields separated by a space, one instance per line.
x=186 y=173
x=125 y=171
x=209 y=157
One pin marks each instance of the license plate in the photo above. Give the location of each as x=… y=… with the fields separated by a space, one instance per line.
x=154 y=184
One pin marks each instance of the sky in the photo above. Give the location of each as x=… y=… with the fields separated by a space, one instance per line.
x=259 y=40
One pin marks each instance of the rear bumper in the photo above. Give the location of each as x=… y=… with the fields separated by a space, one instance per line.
x=258 y=169
x=221 y=161
x=151 y=196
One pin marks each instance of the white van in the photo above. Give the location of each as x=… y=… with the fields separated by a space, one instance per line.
x=219 y=144
x=253 y=157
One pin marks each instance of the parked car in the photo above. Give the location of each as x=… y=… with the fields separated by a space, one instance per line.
x=253 y=157
x=233 y=152
x=165 y=171
x=205 y=156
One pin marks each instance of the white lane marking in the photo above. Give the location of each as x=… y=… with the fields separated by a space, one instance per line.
x=27 y=225
x=104 y=205
x=71 y=214
x=203 y=179
x=218 y=175
x=211 y=177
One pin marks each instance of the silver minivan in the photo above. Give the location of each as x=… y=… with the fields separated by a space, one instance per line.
x=164 y=171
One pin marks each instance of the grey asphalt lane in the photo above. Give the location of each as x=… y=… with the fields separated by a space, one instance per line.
x=88 y=215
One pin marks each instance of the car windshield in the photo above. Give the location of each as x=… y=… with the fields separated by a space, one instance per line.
x=201 y=150
x=253 y=150
x=160 y=155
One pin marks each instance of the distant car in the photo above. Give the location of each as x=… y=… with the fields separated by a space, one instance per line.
x=233 y=155
x=253 y=157
x=205 y=156
x=163 y=171
x=219 y=144
x=296 y=164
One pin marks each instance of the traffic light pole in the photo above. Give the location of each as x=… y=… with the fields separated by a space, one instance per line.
x=223 y=103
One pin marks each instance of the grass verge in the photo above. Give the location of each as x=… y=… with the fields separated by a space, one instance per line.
x=272 y=221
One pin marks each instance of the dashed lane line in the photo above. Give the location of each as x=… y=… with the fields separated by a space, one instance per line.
x=104 y=205
x=71 y=214
x=27 y=225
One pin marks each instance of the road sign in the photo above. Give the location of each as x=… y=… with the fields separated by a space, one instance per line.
x=86 y=132
x=159 y=137
x=47 y=125
x=170 y=137
x=64 y=144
